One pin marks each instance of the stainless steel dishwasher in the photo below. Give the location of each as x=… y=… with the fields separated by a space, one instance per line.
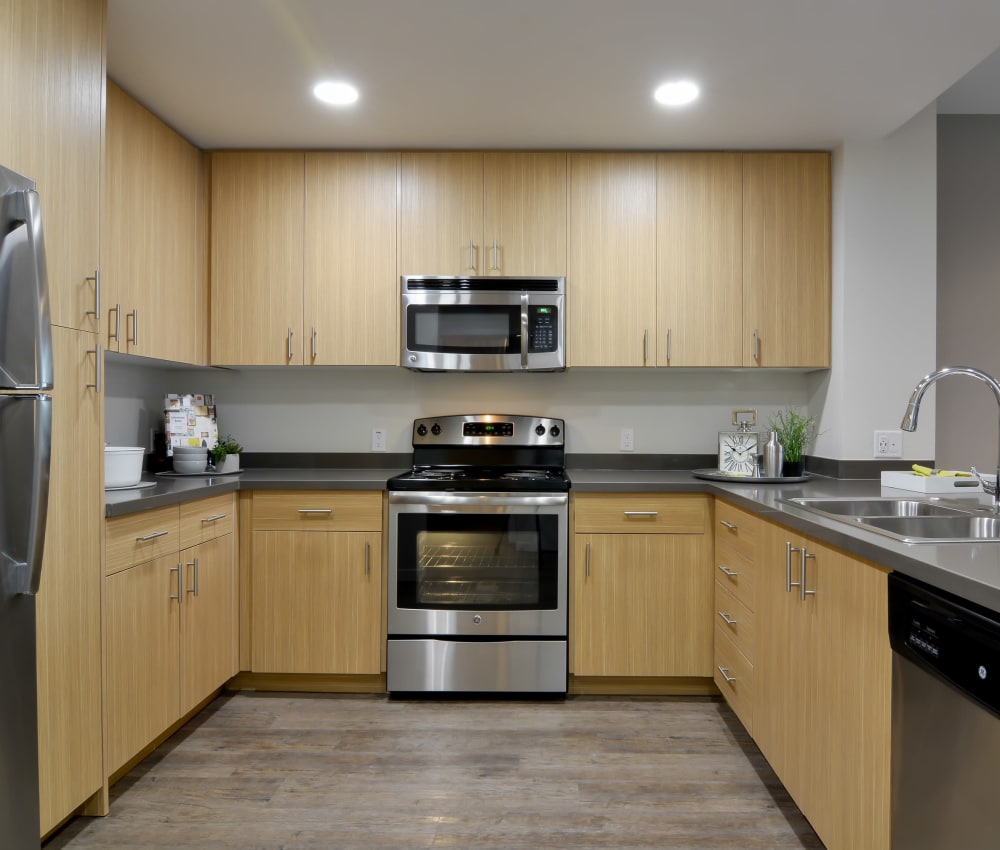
x=945 y=720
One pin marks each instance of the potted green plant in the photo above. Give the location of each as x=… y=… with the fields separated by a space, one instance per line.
x=795 y=433
x=225 y=455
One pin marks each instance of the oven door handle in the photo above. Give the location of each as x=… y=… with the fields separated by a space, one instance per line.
x=445 y=502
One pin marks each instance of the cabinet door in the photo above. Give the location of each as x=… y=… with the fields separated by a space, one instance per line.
x=141 y=656
x=525 y=211
x=257 y=248
x=699 y=221
x=612 y=259
x=351 y=278
x=69 y=602
x=208 y=620
x=441 y=219
x=642 y=605
x=786 y=259
x=316 y=602
x=52 y=90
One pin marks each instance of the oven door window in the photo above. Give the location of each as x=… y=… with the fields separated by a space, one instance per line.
x=481 y=562
x=464 y=329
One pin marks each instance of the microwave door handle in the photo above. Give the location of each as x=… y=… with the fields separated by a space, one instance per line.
x=524 y=330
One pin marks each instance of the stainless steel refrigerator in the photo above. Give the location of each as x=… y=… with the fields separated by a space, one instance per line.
x=25 y=445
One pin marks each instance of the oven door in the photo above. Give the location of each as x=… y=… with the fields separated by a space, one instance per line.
x=477 y=564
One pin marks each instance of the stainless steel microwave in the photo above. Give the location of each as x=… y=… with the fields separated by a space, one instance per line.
x=483 y=324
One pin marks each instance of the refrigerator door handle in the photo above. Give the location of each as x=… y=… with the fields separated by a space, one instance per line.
x=40 y=489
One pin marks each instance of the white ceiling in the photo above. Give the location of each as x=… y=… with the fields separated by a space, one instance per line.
x=545 y=73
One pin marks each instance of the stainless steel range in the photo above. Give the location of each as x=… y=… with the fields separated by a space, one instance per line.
x=478 y=537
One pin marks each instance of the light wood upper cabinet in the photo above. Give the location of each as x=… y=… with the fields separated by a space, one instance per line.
x=611 y=288
x=351 y=281
x=257 y=258
x=786 y=259
x=699 y=218
x=69 y=600
x=155 y=267
x=52 y=90
x=441 y=215
x=524 y=230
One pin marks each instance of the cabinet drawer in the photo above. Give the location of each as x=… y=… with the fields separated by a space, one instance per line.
x=640 y=513
x=206 y=519
x=734 y=618
x=736 y=574
x=137 y=538
x=317 y=510
x=738 y=688
x=737 y=530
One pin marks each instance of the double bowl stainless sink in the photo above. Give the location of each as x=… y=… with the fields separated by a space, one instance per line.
x=911 y=520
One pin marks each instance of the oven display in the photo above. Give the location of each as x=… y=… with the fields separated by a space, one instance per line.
x=488 y=429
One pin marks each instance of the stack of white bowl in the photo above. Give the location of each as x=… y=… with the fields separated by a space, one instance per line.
x=190 y=459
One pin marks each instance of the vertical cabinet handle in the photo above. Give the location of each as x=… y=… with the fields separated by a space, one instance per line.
x=645 y=347
x=368 y=561
x=134 y=339
x=96 y=312
x=802 y=576
x=289 y=343
x=472 y=255
x=313 y=343
x=98 y=353
x=180 y=584
x=756 y=345
x=193 y=590
x=668 y=345
x=789 y=584
x=588 y=560
x=496 y=268
x=117 y=309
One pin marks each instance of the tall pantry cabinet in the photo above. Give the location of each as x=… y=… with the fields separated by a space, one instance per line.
x=52 y=91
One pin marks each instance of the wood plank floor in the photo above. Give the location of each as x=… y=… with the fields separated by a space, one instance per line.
x=272 y=771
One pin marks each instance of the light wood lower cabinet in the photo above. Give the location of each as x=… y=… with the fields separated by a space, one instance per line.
x=316 y=582
x=642 y=586
x=170 y=621
x=822 y=684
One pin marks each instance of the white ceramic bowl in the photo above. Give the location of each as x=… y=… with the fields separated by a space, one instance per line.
x=122 y=465
x=190 y=450
x=181 y=465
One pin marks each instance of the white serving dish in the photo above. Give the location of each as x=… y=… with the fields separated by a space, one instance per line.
x=122 y=465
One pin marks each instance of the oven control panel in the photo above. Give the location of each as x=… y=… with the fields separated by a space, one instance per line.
x=489 y=429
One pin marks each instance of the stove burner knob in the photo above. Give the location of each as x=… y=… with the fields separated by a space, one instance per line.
x=555 y=431
x=422 y=430
x=540 y=430
x=435 y=429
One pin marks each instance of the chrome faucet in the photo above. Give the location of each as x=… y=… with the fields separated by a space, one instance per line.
x=909 y=422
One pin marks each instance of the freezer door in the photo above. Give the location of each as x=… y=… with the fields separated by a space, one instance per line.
x=25 y=334
x=25 y=448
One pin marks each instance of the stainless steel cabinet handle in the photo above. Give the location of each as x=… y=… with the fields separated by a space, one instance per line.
x=496 y=268
x=789 y=584
x=729 y=572
x=730 y=525
x=134 y=339
x=118 y=323
x=668 y=344
x=472 y=255
x=727 y=619
x=98 y=353
x=645 y=347
x=193 y=590
x=368 y=563
x=180 y=587
x=725 y=675
x=315 y=510
x=641 y=513
x=213 y=518
x=289 y=343
x=756 y=345
x=588 y=560
x=152 y=536
x=96 y=312
x=802 y=576
x=314 y=343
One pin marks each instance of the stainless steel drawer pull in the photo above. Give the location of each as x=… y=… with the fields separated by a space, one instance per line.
x=802 y=576
x=180 y=580
x=193 y=590
x=134 y=339
x=728 y=571
x=668 y=345
x=314 y=343
x=641 y=513
x=756 y=345
x=96 y=312
x=152 y=536
x=727 y=619
x=725 y=675
x=368 y=561
x=289 y=343
x=730 y=525
x=213 y=518
x=789 y=584
x=496 y=268
x=315 y=510
x=645 y=347
x=118 y=323
x=472 y=255
x=588 y=560
x=98 y=352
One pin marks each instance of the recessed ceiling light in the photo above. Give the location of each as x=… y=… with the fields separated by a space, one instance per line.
x=676 y=93
x=336 y=93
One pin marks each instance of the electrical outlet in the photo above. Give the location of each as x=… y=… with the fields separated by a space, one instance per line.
x=628 y=440
x=888 y=444
x=378 y=439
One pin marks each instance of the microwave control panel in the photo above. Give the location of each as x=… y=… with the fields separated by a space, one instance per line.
x=543 y=327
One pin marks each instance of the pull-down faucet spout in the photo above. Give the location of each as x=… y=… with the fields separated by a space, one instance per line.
x=909 y=422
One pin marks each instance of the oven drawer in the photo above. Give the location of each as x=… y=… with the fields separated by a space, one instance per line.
x=510 y=666
x=640 y=513
x=317 y=510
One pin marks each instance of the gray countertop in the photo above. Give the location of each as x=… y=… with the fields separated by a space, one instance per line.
x=969 y=570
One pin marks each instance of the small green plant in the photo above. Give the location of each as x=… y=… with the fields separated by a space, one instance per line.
x=795 y=432
x=227 y=445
